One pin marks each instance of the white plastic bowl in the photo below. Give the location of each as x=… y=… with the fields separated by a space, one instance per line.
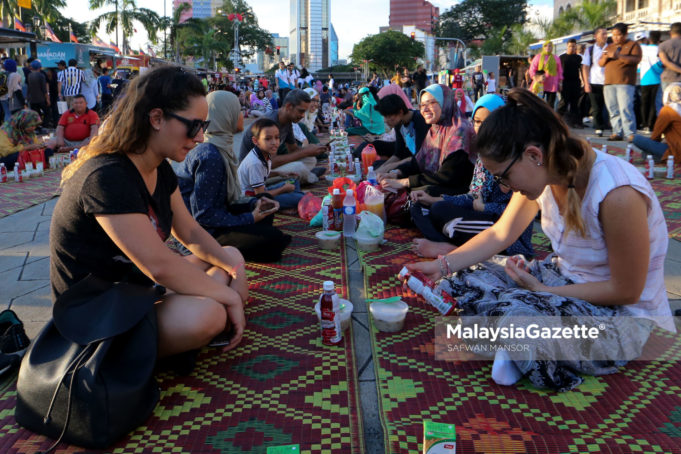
x=368 y=243
x=328 y=239
x=346 y=313
x=389 y=317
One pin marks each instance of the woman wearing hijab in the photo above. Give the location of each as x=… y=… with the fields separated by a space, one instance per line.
x=8 y=100
x=463 y=103
x=17 y=135
x=312 y=112
x=444 y=163
x=210 y=188
x=472 y=213
x=668 y=123
x=394 y=89
x=553 y=71
x=365 y=111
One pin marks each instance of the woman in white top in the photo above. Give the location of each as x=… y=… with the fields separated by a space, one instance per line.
x=606 y=228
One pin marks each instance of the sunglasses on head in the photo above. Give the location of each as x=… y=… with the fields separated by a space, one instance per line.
x=193 y=126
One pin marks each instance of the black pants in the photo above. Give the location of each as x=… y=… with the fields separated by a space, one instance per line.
x=478 y=92
x=473 y=222
x=550 y=97
x=282 y=94
x=569 y=103
x=259 y=242
x=597 y=107
x=43 y=111
x=648 y=108
x=107 y=101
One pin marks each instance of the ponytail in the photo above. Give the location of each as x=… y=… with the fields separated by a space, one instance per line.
x=526 y=119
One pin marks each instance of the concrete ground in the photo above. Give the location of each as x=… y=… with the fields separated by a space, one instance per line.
x=25 y=288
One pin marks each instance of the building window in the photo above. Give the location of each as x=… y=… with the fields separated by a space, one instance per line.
x=642 y=4
x=630 y=5
x=560 y=11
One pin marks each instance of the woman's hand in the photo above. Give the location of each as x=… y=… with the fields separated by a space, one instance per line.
x=393 y=183
x=259 y=214
x=424 y=198
x=430 y=269
x=517 y=269
x=236 y=316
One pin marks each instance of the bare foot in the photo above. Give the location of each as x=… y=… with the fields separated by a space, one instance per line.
x=431 y=249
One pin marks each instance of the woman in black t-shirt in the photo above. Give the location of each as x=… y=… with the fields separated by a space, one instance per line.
x=121 y=201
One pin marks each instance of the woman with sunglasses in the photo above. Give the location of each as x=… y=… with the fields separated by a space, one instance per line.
x=444 y=164
x=608 y=235
x=121 y=201
x=454 y=219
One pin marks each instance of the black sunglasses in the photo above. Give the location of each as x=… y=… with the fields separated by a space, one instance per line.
x=193 y=126
x=499 y=179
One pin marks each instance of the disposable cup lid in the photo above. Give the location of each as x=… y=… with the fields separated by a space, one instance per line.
x=389 y=312
x=327 y=235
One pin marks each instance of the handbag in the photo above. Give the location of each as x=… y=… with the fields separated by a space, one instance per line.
x=397 y=207
x=87 y=378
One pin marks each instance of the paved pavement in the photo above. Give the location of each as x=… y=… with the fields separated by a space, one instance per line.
x=24 y=287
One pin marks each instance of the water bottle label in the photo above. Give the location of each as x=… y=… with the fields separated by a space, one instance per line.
x=349 y=209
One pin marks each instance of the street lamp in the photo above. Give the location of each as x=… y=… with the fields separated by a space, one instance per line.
x=237 y=19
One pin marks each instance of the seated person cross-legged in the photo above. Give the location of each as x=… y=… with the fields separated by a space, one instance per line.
x=452 y=220
x=17 y=135
x=609 y=238
x=209 y=183
x=668 y=124
x=77 y=127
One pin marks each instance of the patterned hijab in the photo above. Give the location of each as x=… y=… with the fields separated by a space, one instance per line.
x=672 y=97
x=16 y=127
x=451 y=133
x=223 y=113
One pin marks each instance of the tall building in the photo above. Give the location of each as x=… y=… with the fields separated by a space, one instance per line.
x=200 y=9
x=333 y=48
x=419 y=13
x=636 y=11
x=310 y=34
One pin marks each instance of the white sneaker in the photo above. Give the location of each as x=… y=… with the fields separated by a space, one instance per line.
x=599 y=132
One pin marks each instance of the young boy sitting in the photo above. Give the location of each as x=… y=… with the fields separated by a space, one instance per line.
x=257 y=167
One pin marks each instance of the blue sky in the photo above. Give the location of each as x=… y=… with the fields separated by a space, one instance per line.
x=352 y=19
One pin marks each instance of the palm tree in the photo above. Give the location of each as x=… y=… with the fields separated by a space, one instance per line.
x=172 y=25
x=48 y=10
x=8 y=9
x=199 y=38
x=521 y=39
x=124 y=17
x=592 y=15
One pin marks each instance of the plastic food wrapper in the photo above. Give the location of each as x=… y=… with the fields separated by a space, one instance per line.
x=316 y=221
x=422 y=286
x=439 y=438
x=370 y=225
x=308 y=206
x=288 y=449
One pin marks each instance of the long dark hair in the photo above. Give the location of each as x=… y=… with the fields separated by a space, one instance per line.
x=528 y=120
x=127 y=129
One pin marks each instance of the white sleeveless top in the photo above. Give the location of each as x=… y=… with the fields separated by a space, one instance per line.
x=586 y=259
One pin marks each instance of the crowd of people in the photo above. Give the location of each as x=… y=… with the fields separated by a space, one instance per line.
x=475 y=175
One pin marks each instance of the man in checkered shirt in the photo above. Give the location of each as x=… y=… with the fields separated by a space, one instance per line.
x=69 y=82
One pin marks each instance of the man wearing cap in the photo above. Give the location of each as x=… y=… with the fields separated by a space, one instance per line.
x=670 y=56
x=37 y=90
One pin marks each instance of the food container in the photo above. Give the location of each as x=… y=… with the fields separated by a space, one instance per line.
x=389 y=317
x=368 y=243
x=328 y=239
x=346 y=313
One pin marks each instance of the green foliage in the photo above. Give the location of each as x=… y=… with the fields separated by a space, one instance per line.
x=592 y=15
x=338 y=69
x=520 y=40
x=387 y=50
x=480 y=19
x=124 y=16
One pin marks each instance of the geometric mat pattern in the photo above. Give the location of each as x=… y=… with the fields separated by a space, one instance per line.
x=636 y=410
x=279 y=386
x=15 y=197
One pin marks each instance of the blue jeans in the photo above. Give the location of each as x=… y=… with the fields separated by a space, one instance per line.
x=290 y=199
x=619 y=99
x=5 y=108
x=650 y=146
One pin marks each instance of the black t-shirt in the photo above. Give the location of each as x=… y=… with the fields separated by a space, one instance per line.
x=478 y=78
x=572 y=64
x=420 y=78
x=419 y=128
x=106 y=184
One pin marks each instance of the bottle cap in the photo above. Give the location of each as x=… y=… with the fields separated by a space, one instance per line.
x=328 y=286
x=336 y=191
x=371 y=168
x=649 y=157
x=348 y=192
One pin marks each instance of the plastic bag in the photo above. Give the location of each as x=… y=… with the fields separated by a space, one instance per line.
x=343 y=183
x=374 y=201
x=317 y=220
x=370 y=225
x=308 y=206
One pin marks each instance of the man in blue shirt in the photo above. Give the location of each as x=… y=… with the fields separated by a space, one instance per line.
x=105 y=90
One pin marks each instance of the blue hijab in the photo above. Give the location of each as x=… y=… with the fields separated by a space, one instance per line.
x=10 y=66
x=490 y=101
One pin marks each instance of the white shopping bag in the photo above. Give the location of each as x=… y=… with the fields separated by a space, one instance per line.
x=62 y=107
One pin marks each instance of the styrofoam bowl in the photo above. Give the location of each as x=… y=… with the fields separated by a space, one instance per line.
x=389 y=317
x=368 y=243
x=328 y=239
x=346 y=313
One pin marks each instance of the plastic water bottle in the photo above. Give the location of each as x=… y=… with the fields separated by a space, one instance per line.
x=358 y=169
x=604 y=149
x=326 y=210
x=332 y=164
x=351 y=163
x=670 y=167
x=627 y=153
x=3 y=173
x=650 y=167
x=349 y=209
x=371 y=176
x=18 y=177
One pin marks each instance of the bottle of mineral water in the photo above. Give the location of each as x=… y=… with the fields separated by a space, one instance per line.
x=349 y=209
